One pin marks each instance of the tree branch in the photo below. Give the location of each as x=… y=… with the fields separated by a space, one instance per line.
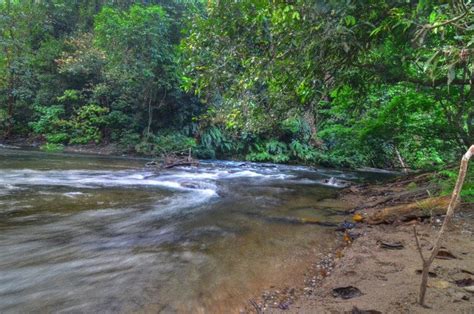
x=449 y=214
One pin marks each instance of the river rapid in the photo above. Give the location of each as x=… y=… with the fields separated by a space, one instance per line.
x=101 y=234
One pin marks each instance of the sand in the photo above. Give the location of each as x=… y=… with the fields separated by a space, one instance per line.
x=388 y=279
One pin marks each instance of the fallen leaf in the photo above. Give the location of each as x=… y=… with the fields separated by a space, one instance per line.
x=391 y=245
x=356 y=310
x=464 y=282
x=345 y=293
x=347 y=238
x=445 y=254
x=358 y=218
x=440 y=284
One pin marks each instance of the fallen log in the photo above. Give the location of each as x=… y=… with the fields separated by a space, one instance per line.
x=424 y=208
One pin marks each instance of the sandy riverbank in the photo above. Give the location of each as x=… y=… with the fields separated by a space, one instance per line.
x=388 y=279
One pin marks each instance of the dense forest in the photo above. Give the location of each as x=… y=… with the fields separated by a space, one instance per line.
x=381 y=83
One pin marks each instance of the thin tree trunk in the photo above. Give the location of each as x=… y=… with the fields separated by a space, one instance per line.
x=150 y=118
x=11 y=82
x=449 y=214
x=402 y=163
x=10 y=104
x=310 y=119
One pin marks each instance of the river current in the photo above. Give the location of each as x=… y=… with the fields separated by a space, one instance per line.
x=100 y=234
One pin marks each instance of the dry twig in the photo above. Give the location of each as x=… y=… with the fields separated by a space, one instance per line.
x=449 y=214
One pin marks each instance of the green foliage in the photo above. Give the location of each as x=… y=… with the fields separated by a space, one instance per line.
x=87 y=123
x=51 y=124
x=291 y=125
x=336 y=83
x=165 y=143
x=3 y=118
x=273 y=151
x=215 y=142
x=62 y=63
x=447 y=180
x=128 y=140
x=84 y=127
x=52 y=147
x=304 y=152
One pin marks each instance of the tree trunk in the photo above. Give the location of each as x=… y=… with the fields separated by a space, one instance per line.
x=309 y=118
x=150 y=118
x=402 y=163
x=10 y=104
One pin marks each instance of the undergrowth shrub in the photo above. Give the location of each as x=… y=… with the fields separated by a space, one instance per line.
x=86 y=124
x=165 y=143
x=447 y=179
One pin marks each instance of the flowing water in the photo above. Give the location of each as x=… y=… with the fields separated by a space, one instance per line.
x=90 y=234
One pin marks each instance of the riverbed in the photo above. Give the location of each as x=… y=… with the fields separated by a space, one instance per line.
x=85 y=233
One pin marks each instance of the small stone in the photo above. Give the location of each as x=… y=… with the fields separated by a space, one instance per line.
x=469 y=289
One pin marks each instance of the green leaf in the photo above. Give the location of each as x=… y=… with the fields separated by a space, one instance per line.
x=430 y=60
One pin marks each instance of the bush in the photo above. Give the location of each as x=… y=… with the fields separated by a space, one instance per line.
x=128 y=140
x=51 y=147
x=87 y=123
x=272 y=150
x=165 y=143
x=214 y=142
x=447 y=179
x=57 y=138
x=50 y=123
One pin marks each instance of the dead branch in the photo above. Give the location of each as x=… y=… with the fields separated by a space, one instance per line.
x=449 y=214
x=172 y=160
x=418 y=246
x=400 y=159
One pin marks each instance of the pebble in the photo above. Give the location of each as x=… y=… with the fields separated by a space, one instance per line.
x=469 y=289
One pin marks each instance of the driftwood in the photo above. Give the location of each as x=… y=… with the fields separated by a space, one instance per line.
x=173 y=160
x=427 y=207
x=449 y=214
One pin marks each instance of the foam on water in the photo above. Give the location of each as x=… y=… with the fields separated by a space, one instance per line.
x=73 y=194
x=334 y=182
x=78 y=234
x=93 y=179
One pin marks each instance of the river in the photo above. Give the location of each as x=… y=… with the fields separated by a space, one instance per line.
x=101 y=234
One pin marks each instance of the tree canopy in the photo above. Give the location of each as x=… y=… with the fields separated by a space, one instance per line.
x=342 y=83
